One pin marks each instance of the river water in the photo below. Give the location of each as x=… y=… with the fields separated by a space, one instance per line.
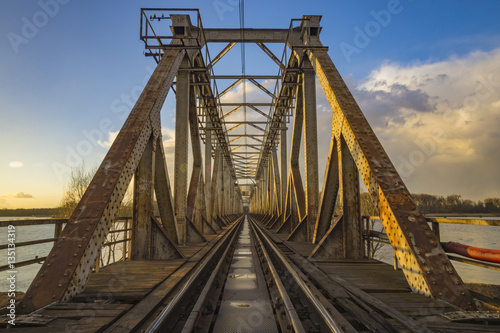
x=479 y=236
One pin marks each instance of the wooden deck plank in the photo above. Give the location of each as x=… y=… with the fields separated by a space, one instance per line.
x=368 y=276
x=89 y=324
x=302 y=248
x=77 y=314
x=136 y=316
x=189 y=250
x=127 y=280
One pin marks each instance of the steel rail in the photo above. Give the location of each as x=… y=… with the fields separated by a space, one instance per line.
x=190 y=283
x=290 y=309
x=323 y=312
x=197 y=309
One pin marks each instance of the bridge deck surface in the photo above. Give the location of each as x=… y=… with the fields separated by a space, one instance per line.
x=381 y=281
x=128 y=283
x=125 y=282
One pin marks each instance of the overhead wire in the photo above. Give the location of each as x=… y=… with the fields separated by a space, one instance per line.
x=243 y=68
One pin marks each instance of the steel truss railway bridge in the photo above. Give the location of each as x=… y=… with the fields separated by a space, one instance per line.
x=240 y=244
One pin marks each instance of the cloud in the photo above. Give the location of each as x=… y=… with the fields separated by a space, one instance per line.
x=168 y=135
x=19 y=195
x=438 y=121
x=16 y=164
x=111 y=138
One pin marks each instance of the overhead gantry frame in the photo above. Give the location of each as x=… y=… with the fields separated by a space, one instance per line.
x=203 y=203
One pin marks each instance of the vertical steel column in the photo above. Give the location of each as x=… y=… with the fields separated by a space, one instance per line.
x=261 y=192
x=215 y=185
x=329 y=193
x=284 y=169
x=181 y=150
x=277 y=180
x=208 y=170
x=267 y=197
x=197 y=217
x=220 y=185
x=297 y=188
x=351 y=219
x=163 y=193
x=310 y=146
x=193 y=208
x=143 y=205
x=224 y=187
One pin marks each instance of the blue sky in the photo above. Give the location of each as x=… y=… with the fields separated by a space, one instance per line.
x=69 y=67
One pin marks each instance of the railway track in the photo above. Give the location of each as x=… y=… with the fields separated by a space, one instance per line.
x=249 y=284
x=248 y=279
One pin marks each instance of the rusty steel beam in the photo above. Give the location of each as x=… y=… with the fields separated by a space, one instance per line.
x=352 y=231
x=310 y=146
x=143 y=205
x=196 y=180
x=181 y=149
x=283 y=171
x=246 y=35
x=296 y=178
x=227 y=114
x=215 y=185
x=423 y=261
x=271 y=55
x=261 y=87
x=164 y=193
x=259 y=112
x=240 y=77
x=230 y=87
x=208 y=174
x=221 y=54
x=277 y=180
x=329 y=192
x=70 y=262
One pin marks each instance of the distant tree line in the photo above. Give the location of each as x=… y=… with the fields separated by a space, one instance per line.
x=454 y=203
x=28 y=212
x=434 y=204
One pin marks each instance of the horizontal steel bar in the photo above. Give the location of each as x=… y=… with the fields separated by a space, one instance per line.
x=33 y=242
x=116 y=242
x=256 y=77
x=246 y=35
x=18 y=223
x=23 y=263
x=246 y=104
x=246 y=122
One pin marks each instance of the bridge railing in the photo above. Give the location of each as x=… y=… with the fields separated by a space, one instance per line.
x=116 y=247
x=374 y=239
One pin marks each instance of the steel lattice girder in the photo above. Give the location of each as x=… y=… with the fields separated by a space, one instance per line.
x=424 y=263
x=69 y=264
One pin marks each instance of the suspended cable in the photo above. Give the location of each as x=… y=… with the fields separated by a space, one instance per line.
x=243 y=69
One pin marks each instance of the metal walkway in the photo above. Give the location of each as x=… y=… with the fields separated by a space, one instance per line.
x=245 y=302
